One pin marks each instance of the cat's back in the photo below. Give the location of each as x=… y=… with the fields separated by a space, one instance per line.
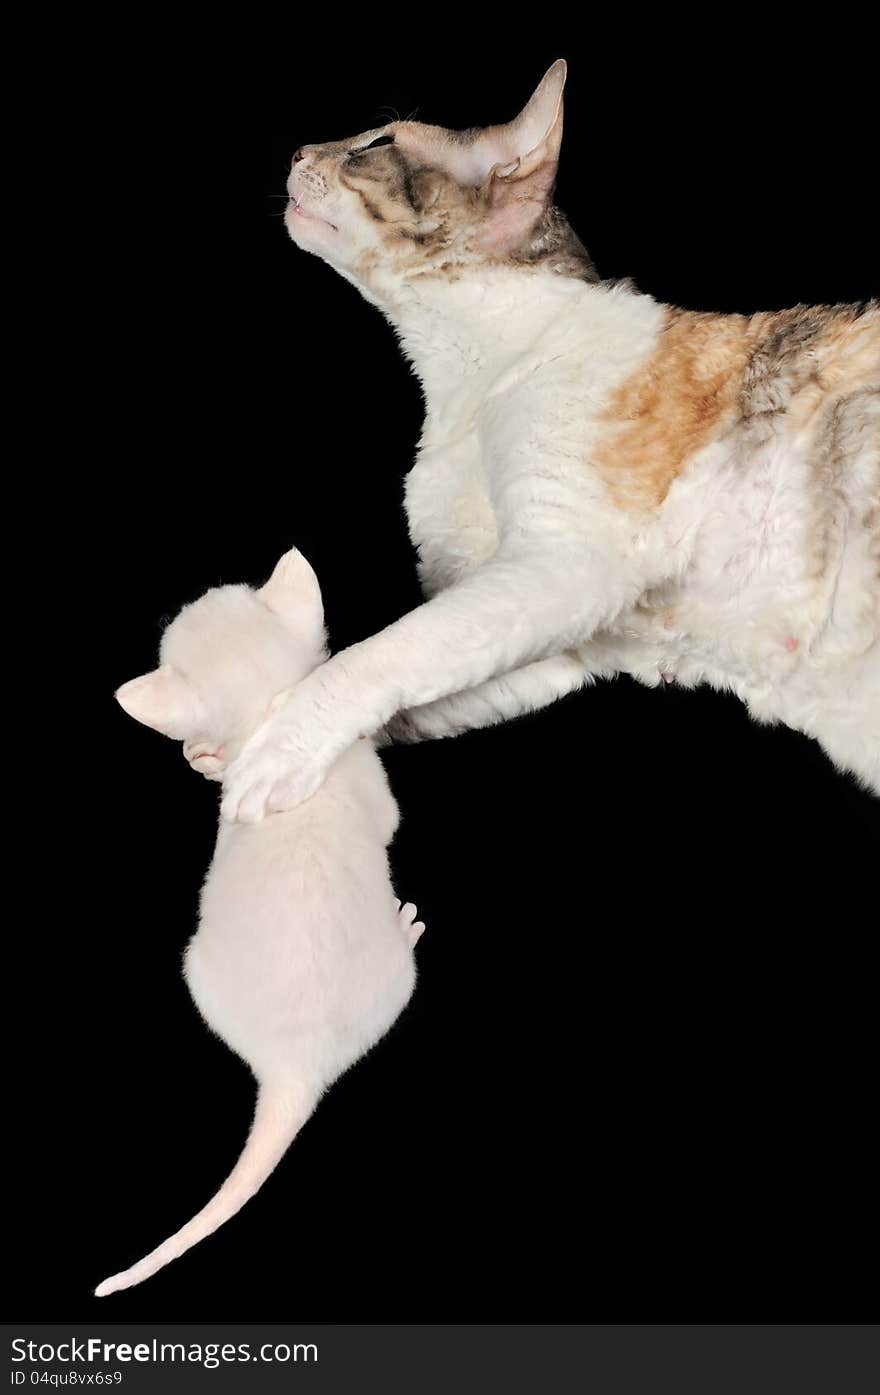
x=313 y=873
x=779 y=380
x=298 y=918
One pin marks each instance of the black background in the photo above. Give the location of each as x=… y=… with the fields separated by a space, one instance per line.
x=635 y=1079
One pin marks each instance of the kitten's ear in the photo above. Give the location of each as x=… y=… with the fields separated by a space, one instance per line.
x=163 y=700
x=521 y=161
x=293 y=594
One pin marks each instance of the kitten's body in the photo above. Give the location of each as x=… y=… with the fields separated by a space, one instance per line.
x=604 y=484
x=303 y=958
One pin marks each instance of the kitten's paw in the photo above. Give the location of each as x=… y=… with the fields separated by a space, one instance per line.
x=205 y=759
x=411 y=927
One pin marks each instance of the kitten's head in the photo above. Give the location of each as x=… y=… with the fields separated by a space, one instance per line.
x=408 y=200
x=225 y=658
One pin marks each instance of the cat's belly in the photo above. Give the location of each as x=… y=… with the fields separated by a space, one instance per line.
x=775 y=596
x=701 y=631
x=794 y=646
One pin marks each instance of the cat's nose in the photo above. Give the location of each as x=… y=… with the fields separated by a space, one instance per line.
x=298 y=155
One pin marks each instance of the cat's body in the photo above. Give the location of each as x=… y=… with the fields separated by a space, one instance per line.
x=303 y=958
x=604 y=484
x=752 y=559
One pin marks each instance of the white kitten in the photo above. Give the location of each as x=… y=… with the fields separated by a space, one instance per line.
x=303 y=958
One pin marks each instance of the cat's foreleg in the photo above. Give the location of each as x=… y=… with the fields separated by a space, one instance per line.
x=522 y=605
x=497 y=700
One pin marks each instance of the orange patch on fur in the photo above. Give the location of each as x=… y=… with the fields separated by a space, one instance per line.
x=676 y=403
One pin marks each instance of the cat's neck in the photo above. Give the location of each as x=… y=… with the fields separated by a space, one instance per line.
x=461 y=329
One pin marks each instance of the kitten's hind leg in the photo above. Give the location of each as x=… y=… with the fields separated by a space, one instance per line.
x=411 y=927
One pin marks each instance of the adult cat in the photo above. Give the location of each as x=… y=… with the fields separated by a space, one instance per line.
x=604 y=484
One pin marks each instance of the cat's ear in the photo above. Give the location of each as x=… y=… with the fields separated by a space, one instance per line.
x=163 y=700
x=520 y=162
x=470 y=157
x=293 y=594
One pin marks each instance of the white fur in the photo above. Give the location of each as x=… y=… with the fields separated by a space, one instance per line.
x=303 y=958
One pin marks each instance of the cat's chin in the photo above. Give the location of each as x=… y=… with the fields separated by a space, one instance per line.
x=300 y=219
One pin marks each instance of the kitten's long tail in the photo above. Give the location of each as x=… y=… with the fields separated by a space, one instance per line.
x=278 y=1118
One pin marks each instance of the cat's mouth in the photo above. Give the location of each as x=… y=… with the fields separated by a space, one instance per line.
x=295 y=207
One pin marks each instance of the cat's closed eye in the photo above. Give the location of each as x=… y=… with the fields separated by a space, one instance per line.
x=380 y=140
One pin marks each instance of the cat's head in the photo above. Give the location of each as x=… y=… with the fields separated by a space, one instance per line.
x=408 y=200
x=225 y=658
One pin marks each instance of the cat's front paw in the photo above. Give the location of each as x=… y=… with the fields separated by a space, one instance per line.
x=266 y=781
